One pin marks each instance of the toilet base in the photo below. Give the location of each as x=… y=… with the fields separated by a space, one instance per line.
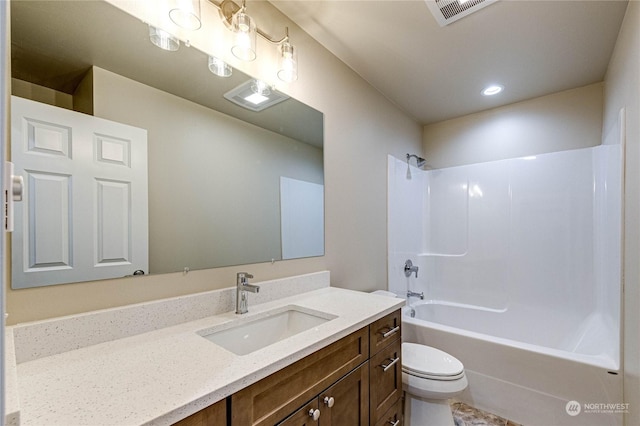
x=421 y=412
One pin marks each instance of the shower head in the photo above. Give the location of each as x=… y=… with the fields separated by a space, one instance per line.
x=419 y=160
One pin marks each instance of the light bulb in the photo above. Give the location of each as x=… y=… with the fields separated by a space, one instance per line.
x=288 y=67
x=244 y=46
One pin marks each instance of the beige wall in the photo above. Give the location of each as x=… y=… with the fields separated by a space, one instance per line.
x=361 y=128
x=622 y=90
x=565 y=120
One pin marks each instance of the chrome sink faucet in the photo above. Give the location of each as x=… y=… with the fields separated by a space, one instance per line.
x=242 y=286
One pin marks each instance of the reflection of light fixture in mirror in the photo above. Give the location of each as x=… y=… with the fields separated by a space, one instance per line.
x=185 y=14
x=494 y=89
x=219 y=67
x=244 y=45
x=163 y=39
x=287 y=61
x=261 y=88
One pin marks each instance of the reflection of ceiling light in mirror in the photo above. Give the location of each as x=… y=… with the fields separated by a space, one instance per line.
x=219 y=67
x=185 y=14
x=247 y=97
x=163 y=39
x=494 y=89
x=256 y=98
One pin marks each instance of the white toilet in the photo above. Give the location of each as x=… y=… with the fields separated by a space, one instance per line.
x=430 y=377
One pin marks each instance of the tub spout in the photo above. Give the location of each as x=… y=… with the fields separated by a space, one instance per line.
x=415 y=294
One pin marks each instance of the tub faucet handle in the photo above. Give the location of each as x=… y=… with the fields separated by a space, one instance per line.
x=410 y=268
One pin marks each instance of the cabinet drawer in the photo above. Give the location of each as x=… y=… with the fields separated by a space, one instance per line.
x=393 y=416
x=384 y=331
x=385 y=380
x=273 y=398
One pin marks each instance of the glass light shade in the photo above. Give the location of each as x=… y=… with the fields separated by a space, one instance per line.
x=244 y=45
x=185 y=14
x=287 y=62
x=219 y=67
x=163 y=39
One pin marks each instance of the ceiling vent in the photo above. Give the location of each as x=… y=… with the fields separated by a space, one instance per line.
x=448 y=11
x=245 y=96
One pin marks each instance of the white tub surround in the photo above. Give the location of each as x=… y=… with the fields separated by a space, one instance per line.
x=520 y=266
x=161 y=374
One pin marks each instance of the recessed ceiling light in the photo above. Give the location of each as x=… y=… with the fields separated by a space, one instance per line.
x=494 y=89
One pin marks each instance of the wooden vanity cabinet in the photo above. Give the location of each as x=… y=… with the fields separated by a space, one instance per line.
x=356 y=381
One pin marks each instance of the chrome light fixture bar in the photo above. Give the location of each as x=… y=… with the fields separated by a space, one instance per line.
x=237 y=20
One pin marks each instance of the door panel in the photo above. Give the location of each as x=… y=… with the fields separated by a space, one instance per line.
x=85 y=214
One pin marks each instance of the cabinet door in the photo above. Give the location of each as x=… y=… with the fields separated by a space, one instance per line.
x=346 y=403
x=386 y=380
x=213 y=415
x=305 y=416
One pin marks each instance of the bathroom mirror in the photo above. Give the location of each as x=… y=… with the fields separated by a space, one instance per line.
x=224 y=183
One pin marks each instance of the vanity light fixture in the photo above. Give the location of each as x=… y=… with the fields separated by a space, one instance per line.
x=185 y=14
x=237 y=20
x=219 y=67
x=163 y=39
x=494 y=89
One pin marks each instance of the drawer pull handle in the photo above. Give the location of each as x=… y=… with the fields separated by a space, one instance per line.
x=392 y=423
x=391 y=364
x=390 y=332
x=329 y=401
x=314 y=414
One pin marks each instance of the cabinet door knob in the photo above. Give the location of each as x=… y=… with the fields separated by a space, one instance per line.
x=314 y=414
x=329 y=401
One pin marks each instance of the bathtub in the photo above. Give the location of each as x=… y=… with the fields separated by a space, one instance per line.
x=527 y=371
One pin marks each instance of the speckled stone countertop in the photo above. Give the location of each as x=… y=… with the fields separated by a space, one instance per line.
x=164 y=375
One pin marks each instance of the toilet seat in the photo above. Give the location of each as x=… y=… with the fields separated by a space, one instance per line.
x=430 y=363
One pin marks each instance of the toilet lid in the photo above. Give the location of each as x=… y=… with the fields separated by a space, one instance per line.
x=425 y=361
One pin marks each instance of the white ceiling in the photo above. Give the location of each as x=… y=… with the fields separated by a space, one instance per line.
x=434 y=73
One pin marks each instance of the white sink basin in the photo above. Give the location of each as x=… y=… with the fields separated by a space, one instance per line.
x=243 y=337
